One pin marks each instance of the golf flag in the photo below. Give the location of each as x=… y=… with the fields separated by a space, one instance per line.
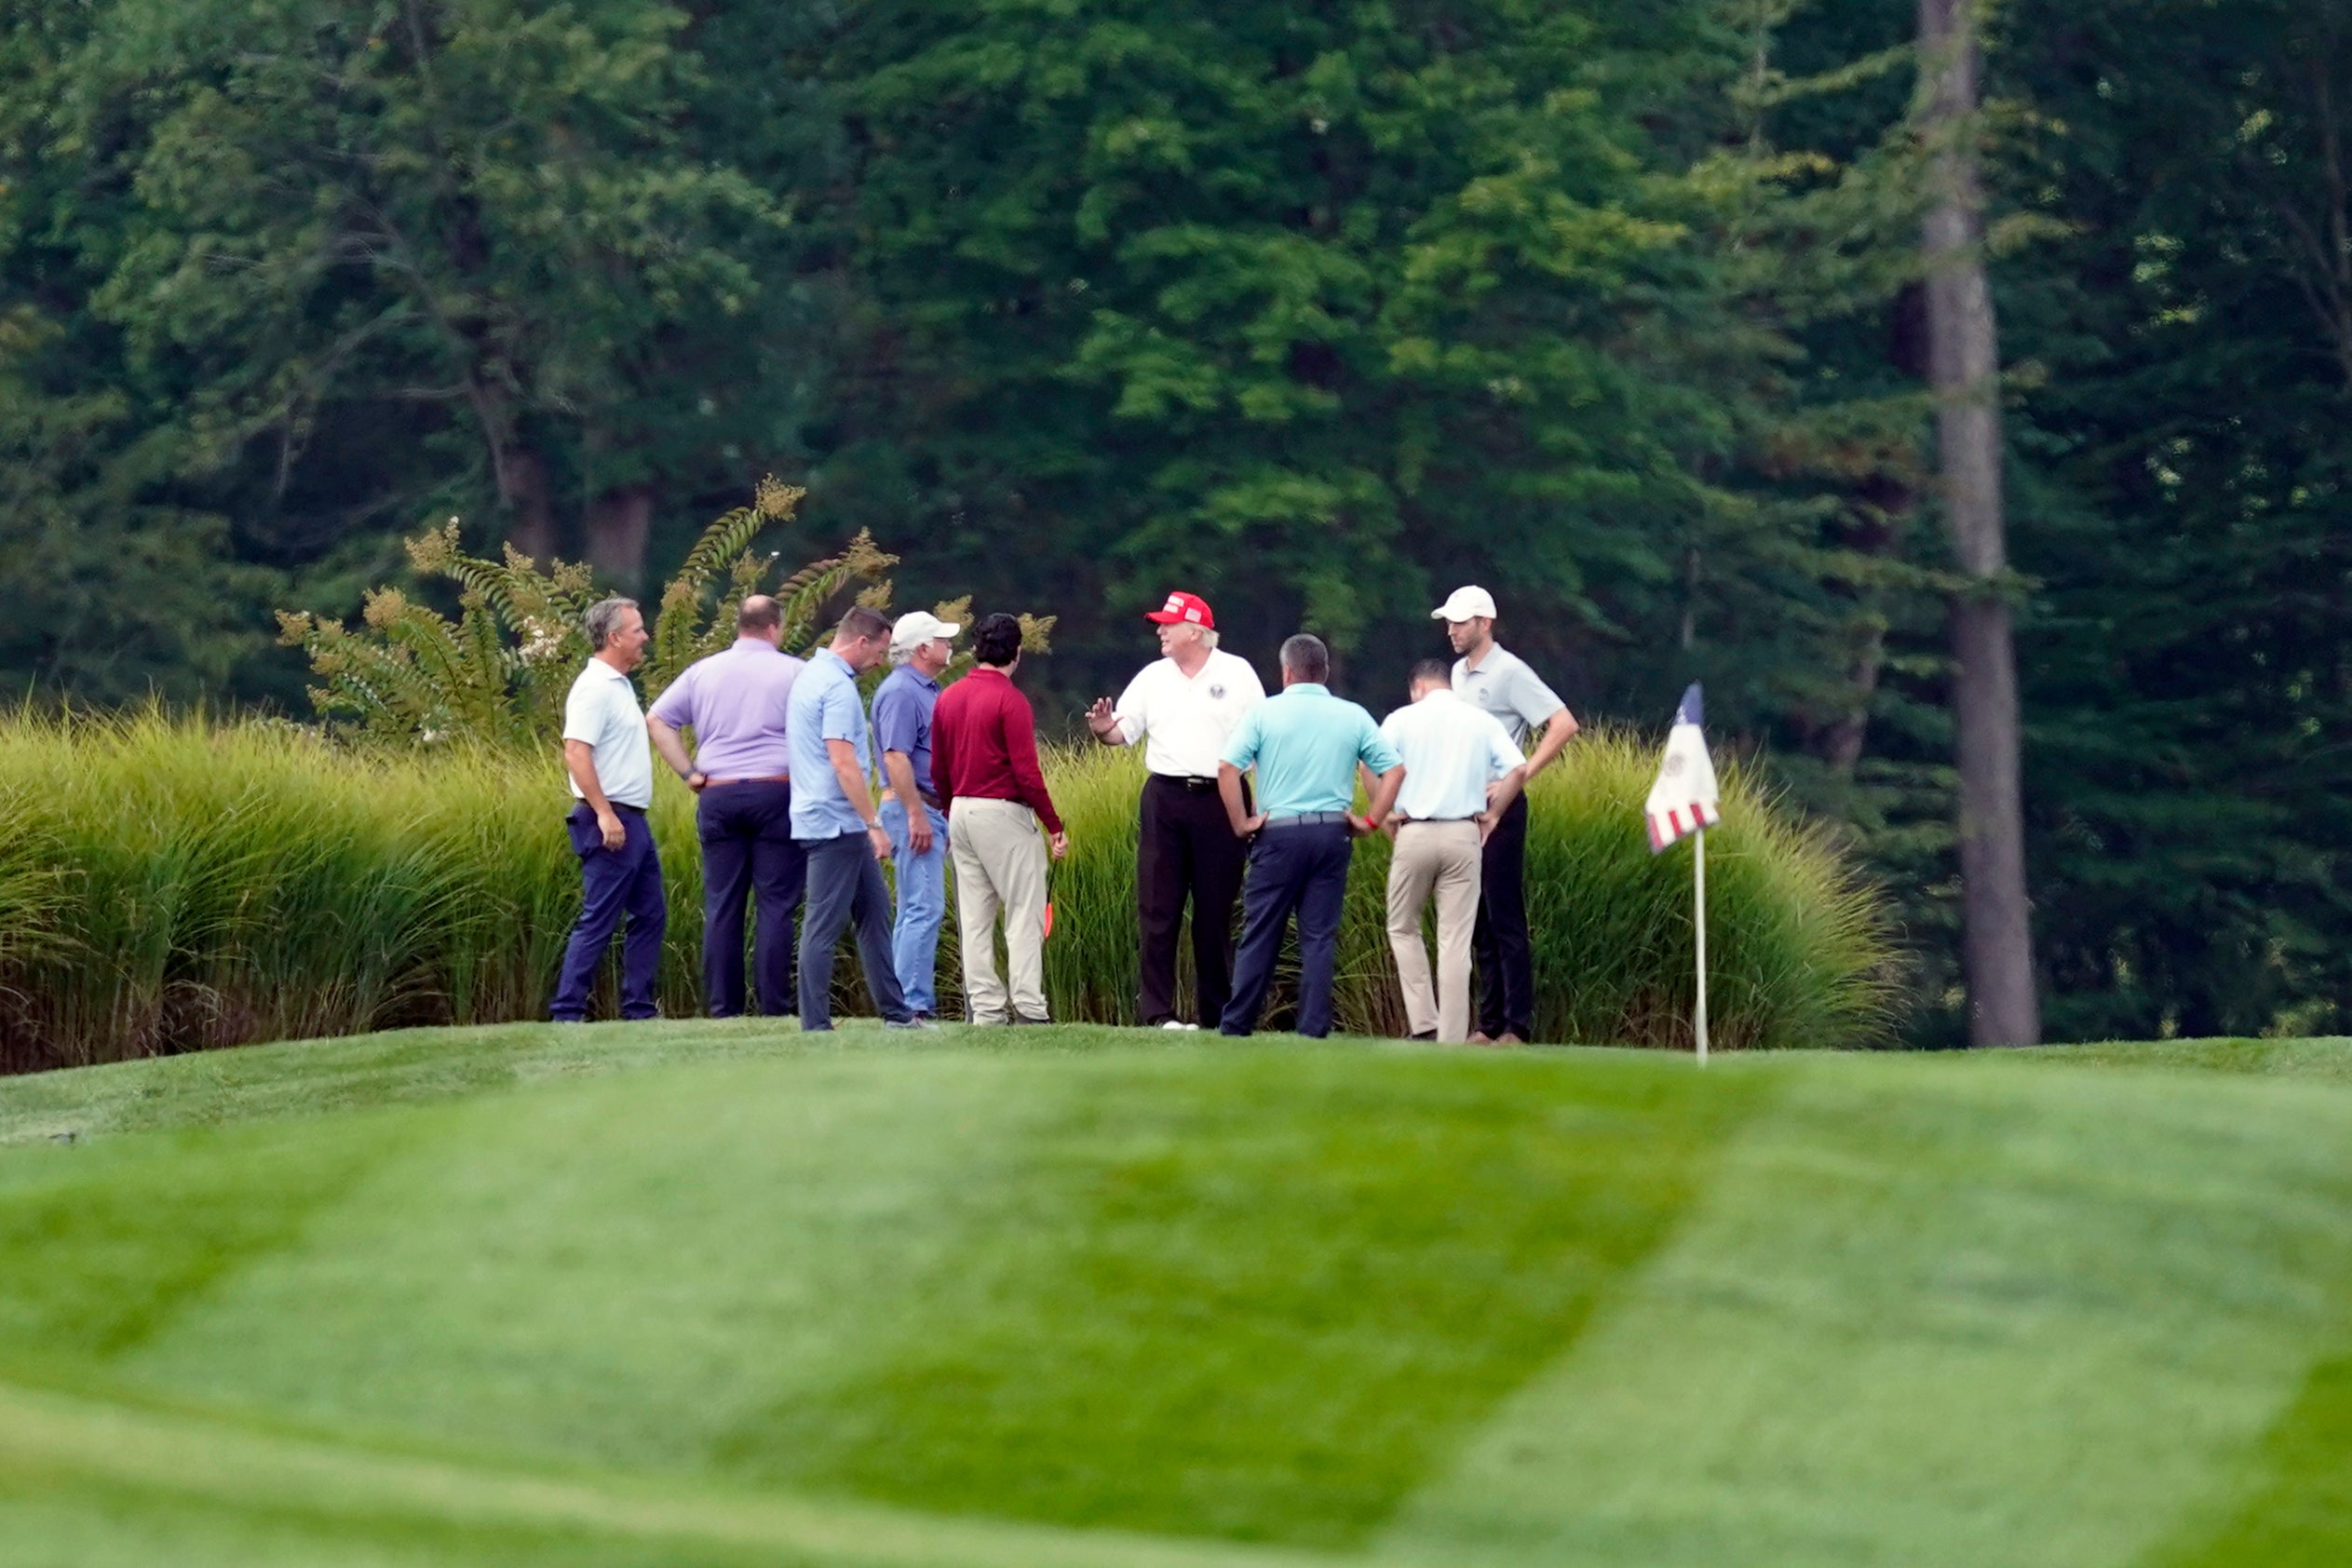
x=1682 y=800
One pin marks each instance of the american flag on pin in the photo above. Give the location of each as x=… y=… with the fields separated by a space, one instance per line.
x=1684 y=801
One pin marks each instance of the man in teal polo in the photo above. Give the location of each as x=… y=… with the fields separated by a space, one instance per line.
x=1306 y=745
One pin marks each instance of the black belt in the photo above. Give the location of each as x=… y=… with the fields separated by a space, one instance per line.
x=1434 y=821
x=1308 y=820
x=1184 y=781
x=616 y=805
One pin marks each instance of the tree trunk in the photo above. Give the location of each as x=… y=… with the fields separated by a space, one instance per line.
x=523 y=485
x=1964 y=366
x=619 y=523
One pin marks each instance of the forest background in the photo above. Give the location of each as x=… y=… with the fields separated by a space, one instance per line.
x=1318 y=309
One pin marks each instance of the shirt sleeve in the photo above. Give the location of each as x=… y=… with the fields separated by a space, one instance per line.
x=1020 y=750
x=1242 y=750
x=584 y=713
x=1373 y=747
x=1531 y=699
x=896 y=719
x=1503 y=754
x=840 y=716
x=1133 y=709
x=1245 y=682
x=675 y=706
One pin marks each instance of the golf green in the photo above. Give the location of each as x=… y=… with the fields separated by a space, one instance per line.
x=687 y=1294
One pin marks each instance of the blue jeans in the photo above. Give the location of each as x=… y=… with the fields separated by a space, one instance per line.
x=914 y=940
x=748 y=853
x=623 y=881
x=845 y=884
x=1301 y=871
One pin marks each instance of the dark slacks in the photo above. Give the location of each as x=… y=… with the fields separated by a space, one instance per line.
x=1301 y=871
x=624 y=883
x=748 y=856
x=845 y=884
x=1505 y=952
x=1186 y=849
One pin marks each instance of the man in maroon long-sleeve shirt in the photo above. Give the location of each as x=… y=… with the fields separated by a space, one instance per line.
x=984 y=765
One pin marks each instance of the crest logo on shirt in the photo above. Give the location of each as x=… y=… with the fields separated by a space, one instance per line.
x=1217 y=693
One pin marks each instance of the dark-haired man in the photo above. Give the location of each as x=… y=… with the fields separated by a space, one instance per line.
x=734 y=702
x=984 y=765
x=612 y=769
x=1461 y=773
x=1492 y=677
x=1306 y=745
x=836 y=823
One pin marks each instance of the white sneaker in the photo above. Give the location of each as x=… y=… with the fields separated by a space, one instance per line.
x=1179 y=1023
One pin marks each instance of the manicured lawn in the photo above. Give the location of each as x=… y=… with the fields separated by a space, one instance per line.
x=693 y=1294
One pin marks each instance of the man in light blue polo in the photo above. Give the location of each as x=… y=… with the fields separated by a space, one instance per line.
x=836 y=824
x=1306 y=745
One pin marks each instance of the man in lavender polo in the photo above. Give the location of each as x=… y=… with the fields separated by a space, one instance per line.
x=735 y=703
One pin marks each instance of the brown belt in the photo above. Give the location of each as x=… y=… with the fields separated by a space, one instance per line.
x=764 y=778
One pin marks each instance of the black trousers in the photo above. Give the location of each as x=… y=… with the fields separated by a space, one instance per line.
x=1505 y=955
x=748 y=854
x=1186 y=849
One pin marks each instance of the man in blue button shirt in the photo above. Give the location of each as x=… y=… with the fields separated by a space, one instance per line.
x=1306 y=745
x=835 y=822
x=921 y=646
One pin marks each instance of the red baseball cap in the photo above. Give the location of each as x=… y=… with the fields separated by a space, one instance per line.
x=1189 y=608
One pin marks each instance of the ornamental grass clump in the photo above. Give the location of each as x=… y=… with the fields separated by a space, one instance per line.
x=204 y=883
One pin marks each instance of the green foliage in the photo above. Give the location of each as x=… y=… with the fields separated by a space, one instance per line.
x=498 y=674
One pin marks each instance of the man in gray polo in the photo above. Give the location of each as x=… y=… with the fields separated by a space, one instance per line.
x=1492 y=677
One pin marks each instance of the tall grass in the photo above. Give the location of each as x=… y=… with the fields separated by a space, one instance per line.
x=171 y=884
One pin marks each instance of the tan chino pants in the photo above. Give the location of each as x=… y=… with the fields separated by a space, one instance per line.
x=1000 y=864
x=1440 y=858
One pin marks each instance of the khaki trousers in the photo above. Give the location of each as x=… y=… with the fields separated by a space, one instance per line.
x=1440 y=857
x=1000 y=863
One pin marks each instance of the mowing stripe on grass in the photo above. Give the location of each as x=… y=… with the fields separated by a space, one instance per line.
x=1259 y=1297
x=44 y=1434
x=1938 y=1315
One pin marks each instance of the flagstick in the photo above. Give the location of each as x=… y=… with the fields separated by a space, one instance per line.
x=1698 y=891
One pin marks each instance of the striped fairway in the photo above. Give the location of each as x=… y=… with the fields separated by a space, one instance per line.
x=696 y=1294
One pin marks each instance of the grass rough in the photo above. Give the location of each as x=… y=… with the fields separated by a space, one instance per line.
x=204 y=885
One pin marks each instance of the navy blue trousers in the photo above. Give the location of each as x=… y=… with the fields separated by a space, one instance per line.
x=624 y=883
x=1292 y=870
x=747 y=858
x=845 y=884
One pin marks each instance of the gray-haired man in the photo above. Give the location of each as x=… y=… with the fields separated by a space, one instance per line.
x=611 y=761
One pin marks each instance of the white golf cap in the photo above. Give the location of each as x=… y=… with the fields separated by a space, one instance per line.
x=918 y=626
x=1464 y=603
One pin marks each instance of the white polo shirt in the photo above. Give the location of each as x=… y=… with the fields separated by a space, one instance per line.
x=1503 y=685
x=603 y=711
x=1185 y=723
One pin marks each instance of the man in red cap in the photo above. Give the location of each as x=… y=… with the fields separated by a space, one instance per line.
x=1183 y=707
